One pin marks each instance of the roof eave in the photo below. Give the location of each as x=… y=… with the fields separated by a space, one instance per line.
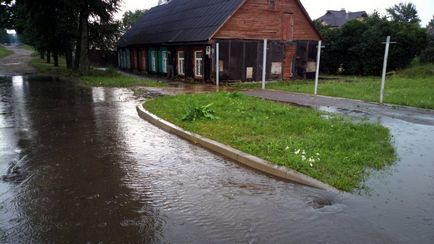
x=227 y=19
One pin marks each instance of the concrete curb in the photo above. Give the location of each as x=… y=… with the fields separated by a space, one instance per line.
x=234 y=154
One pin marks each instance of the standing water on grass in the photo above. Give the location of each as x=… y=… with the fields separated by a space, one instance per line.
x=78 y=165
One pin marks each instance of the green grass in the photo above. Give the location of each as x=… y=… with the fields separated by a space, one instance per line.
x=411 y=87
x=109 y=78
x=112 y=78
x=27 y=47
x=274 y=131
x=4 y=52
x=48 y=68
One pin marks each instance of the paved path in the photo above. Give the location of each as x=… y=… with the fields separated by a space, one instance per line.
x=414 y=115
x=16 y=64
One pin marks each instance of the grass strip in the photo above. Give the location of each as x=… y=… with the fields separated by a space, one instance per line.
x=411 y=87
x=4 y=52
x=108 y=78
x=328 y=147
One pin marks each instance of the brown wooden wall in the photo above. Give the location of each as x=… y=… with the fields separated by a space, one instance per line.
x=257 y=19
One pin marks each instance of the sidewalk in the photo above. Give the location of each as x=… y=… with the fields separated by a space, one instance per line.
x=409 y=114
x=17 y=63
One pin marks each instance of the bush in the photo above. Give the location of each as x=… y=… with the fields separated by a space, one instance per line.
x=357 y=47
x=200 y=113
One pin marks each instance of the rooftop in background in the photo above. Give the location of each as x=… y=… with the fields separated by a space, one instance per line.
x=180 y=21
x=338 y=18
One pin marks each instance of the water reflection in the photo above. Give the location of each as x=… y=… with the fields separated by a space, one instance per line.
x=95 y=172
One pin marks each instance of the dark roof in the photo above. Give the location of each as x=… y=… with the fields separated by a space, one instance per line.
x=339 y=18
x=180 y=21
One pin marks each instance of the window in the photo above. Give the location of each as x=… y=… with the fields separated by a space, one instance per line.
x=272 y=4
x=153 y=62
x=181 y=61
x=198 y=63
x=164 y=61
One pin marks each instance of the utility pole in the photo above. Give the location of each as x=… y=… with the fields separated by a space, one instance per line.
x=383 y=78
x=318 y=60
x=264 y=64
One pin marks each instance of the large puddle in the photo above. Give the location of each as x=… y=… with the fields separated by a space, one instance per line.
x=78 y=165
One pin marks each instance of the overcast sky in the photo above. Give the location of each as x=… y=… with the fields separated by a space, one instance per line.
x=317 y=8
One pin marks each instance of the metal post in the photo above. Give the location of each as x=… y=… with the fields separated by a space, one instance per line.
x=217 y=64
x=264 y=64
x=383 y=79
x=318 y=59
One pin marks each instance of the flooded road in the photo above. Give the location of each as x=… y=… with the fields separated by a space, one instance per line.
x=78 y=165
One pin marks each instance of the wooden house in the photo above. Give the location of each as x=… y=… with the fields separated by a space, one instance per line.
x=184 y=33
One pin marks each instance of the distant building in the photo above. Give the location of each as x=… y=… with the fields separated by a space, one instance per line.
x=335 y=18
x=182 y=34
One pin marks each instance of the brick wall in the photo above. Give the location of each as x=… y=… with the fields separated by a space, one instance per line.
x=257 y=19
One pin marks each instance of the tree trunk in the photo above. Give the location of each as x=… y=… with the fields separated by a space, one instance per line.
x=48 y=57
x=77 y=50
x=68 y=57
x=56 y=58
x=42 y=54
x=84 y=66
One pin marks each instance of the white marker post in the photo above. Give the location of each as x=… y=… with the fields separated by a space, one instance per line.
x=217 y=64
x=383 y=78
x=264 y=64
x=318 y=60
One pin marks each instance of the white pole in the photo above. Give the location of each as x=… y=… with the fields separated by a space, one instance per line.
x=264 y=64
x=383 y=79
x=318 y=60
x=217 y=64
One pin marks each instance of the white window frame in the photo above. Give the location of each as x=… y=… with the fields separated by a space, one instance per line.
x=198 y=64
x=181 y=63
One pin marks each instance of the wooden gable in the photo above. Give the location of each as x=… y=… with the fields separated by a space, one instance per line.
x=269 y=19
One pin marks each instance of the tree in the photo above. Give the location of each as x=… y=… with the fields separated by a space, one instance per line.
x=404 y=12
x=430 y=26
x=54 y=27
x=104 y=36
x=427 y=55
x=4 y=37
x=130 y=18
x=357 y=47
x=100 y=10
x=7 y=14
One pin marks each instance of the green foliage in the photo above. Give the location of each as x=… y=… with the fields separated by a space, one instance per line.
x=60 y=26
x=404 y=12
x=4 y=37
x=330 y=148
x=130 y=18
x=427 y=55
x=104 y=36
x=357 y=49
x=7 y=14
x=200 y=113
x=4 y=52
